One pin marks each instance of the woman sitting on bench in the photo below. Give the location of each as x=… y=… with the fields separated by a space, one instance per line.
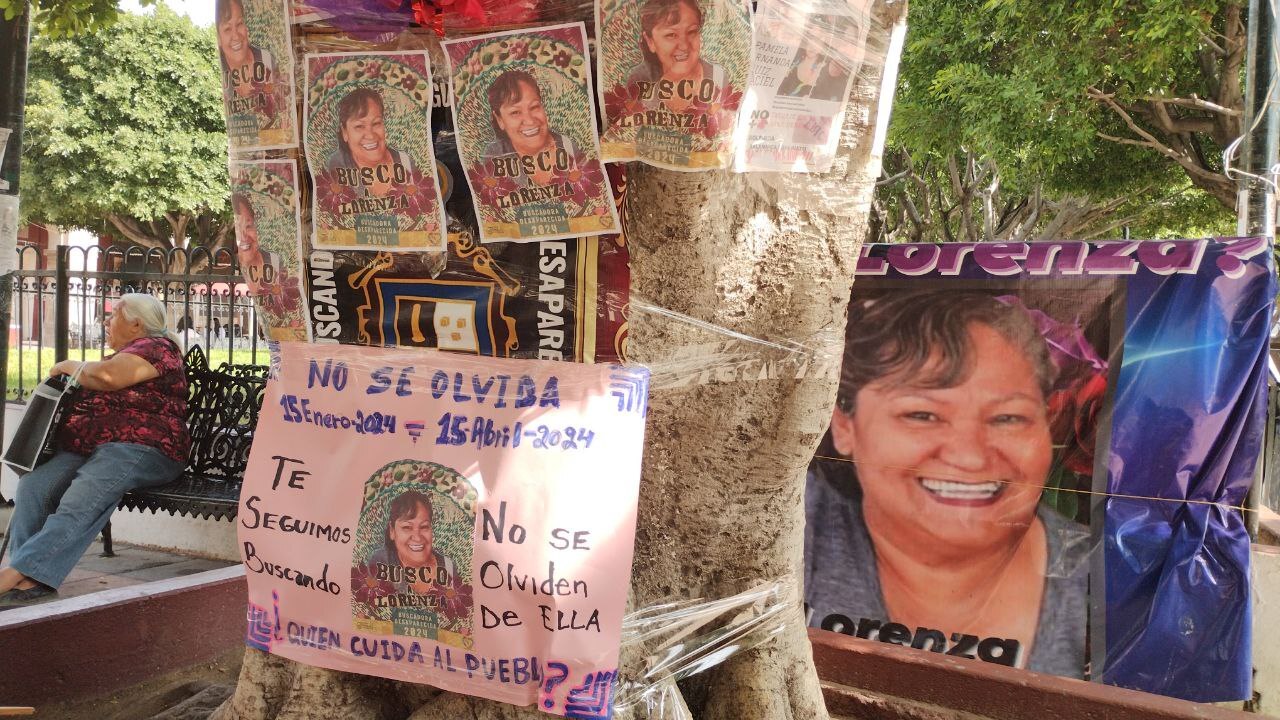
x=125 y=430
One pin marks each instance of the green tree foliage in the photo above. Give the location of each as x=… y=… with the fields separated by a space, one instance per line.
x=1116 y=112
x=124 y=133
x=67 y=17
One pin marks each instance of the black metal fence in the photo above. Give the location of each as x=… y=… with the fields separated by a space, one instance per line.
x=61 y=297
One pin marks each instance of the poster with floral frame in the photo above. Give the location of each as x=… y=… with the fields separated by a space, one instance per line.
x=408 y=502
x=526 y=127
x=268 y=227
x=671 y=77
x=367 y=129
x=255 y=55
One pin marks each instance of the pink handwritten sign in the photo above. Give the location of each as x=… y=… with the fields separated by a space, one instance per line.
x=458 y=521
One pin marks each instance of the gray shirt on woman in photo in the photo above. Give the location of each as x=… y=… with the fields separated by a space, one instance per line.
x=842 y=580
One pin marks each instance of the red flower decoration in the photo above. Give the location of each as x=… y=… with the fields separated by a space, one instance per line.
x=562 y=59
x=331 y=194
x=1074 y=412
x=427 y=14
x=519 y=49
x=419 y=194
x=366 y=587
x=582 y=180
x=469 y=9
x=730 y=98
x=453 y=601
x=721 y=112
x=488 y=186
x=283 y=297
x=621 y=101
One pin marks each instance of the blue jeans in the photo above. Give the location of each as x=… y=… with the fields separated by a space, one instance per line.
x=61 y=506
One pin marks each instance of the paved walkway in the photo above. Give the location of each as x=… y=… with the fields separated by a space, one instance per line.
x=132 y=565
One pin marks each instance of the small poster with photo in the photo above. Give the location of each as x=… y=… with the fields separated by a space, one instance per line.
x=804 y=59
x=264 y=207
x=368 y=141
x=255 y=55
x=671 y=76
x=526 y=128
x=411 y=566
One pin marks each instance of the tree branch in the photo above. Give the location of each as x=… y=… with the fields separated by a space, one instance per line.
x=1216 y=49
x=1193 y=102
x=1226 y=84
x=1189 y=164
x=134 y=233
x=179 y=225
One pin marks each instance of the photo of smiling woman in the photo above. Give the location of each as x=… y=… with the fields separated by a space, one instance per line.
x=250 y=69
x=261 y=268
x=673 y=73
x=408 y=558
x=363 y=159
x=255 y=91
x=369 y=143
x=526 y=131
x=411 y=554
x=672 y=76
x=925 y=522
x=523 y=132
x=264 y=208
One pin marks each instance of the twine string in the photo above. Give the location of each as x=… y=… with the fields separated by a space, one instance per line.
x=1119 y=496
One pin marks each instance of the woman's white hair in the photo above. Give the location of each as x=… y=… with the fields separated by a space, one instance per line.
x=148 y=311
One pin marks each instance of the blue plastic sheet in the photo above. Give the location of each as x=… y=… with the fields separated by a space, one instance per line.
x=1188 y=425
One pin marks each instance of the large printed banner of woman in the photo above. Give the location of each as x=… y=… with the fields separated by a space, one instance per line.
x=671 y=76
x=955 y=457
x=1029 y=465
x=804 y=58
x=264 y=205
x=526 y=127
x=256 y=56
x=368 y=141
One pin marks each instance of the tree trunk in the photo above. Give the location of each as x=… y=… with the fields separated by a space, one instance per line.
x=739 y=290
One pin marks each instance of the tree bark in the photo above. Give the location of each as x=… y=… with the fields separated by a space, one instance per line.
x=739 y=290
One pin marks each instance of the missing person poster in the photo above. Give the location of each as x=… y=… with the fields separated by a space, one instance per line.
x=526 y=126
x=441 y=519
x=804 y=58
x=1036 y=456
x=671 y=77
x=368 y=144
x=547 y=300
x=256 y=57
x=268 y=226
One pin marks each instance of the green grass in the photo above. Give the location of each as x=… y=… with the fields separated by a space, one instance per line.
x=35 y=363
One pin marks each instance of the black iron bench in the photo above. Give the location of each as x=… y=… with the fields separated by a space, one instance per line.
x=222 y=411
